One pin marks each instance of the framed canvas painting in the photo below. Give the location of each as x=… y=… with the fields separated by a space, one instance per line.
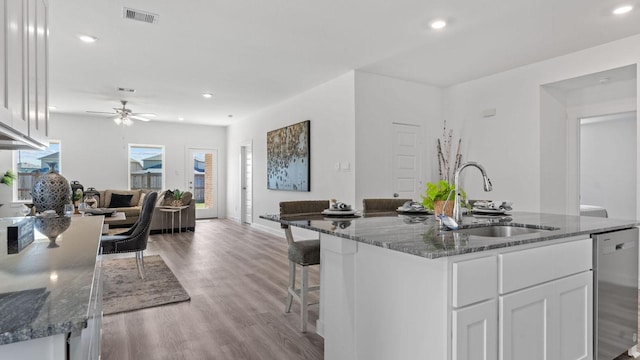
x=288 y=166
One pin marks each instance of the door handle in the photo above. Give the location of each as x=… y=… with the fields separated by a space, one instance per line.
x=395 y=195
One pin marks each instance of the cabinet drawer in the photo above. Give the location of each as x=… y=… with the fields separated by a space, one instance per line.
x=521 y=269
x=474 y=280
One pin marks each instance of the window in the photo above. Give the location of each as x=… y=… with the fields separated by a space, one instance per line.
x=146 y=167
x=30 y=164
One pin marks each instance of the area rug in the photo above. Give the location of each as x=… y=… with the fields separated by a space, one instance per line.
x=123 y=290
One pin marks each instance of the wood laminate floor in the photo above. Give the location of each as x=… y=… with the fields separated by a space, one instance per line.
x=237 y=280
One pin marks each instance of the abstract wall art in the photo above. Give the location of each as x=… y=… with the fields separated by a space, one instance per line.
x=288 y=166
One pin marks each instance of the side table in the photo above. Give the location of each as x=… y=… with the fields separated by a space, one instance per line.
x=166 y=210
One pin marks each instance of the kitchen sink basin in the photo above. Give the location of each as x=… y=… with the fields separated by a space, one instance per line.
x=504 y=230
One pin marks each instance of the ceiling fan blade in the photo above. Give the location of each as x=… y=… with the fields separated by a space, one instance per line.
x=100 y=112
x=144 y=114
x=139 y=118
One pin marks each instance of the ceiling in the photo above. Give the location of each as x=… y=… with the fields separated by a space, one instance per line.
x=252 y=54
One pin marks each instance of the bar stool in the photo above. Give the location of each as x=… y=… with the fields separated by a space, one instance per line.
x=370 y=206
x=301 y=252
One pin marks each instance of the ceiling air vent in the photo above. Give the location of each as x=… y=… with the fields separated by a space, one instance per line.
x=122 y=89
x=139 y=15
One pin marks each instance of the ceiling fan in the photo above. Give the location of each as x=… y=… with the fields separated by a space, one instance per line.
x=123 y=115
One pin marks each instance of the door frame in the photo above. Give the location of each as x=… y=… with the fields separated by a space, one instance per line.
x=189 y=175
x=243 y=210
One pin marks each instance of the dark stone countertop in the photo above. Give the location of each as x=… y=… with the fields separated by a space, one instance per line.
x=46 y=290
x=421 y=235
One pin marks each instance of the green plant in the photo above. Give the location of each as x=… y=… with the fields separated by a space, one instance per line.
x=8 y=178
x=439 y=192
x=177 y=194
x=77 y=195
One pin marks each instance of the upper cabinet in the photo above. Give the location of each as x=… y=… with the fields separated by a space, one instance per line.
x=23 y=73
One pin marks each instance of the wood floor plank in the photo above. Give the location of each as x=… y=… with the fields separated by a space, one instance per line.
x=237 y=278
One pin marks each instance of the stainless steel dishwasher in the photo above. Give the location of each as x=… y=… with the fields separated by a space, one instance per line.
x=615 y=292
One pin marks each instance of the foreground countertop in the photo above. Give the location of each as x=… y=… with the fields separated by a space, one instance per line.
x=45 y=290
x=422 y=236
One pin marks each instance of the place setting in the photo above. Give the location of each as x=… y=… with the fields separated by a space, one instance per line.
x=340 y=209
x=413 y=208
x=489 y=208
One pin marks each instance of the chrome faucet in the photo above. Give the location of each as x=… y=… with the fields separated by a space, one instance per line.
x=457 y=211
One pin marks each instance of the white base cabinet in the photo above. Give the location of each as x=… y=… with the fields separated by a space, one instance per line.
x=377 y=303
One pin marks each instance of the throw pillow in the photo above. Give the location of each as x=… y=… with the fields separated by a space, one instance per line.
x=142 y=195
x=118 y=201
x=168 y=198
x=160 y=200
x=186 y=198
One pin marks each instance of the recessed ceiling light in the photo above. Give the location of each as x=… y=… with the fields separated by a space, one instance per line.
x=51 y=107
x=87 y=38
x=438 y=24
x=207 y=95
x=622 y=9
x=180 y=119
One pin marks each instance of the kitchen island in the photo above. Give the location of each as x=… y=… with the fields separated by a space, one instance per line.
x=400 y=287
x=50 y=294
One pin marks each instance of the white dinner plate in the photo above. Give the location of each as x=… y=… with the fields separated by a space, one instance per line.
x=488 y=211
x=339 y=212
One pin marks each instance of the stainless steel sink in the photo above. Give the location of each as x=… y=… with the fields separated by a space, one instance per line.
x=504 y=230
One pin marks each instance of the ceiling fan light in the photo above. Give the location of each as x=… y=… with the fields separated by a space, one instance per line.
x=438 y=24
x=621 y=10
x=87 y=38
x=127 y=121
x=117 y=120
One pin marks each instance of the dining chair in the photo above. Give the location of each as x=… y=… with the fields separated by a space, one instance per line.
x=370 y=206
x=301 y=252
x=135 y=239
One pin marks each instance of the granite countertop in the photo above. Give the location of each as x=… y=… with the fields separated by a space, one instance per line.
x=45 y=290
x=421 y=236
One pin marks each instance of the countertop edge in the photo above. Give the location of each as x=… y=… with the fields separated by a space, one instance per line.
x=601 y=225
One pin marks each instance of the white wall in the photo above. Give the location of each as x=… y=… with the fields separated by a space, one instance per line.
x=380 y=102
x=510 y=144
x=95 y=152
x=330 y=107
x=607 y=166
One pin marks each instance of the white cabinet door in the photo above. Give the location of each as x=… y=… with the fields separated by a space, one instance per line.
x=42 y=113
x=525 y=324
x=575 y=316
x=31 y=94
x=475 y=332
x=549 y=321
x=5 y=115
x=15 y=55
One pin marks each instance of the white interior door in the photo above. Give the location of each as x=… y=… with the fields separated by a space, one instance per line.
x=202 y=177
x=406 y=161
x=246 y=181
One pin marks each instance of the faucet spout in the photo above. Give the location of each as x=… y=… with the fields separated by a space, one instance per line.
x=457 y=211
